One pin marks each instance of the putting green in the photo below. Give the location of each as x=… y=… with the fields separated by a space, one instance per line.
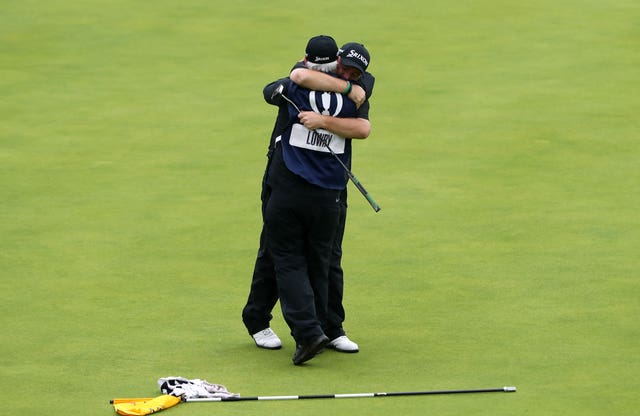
x=504 y=154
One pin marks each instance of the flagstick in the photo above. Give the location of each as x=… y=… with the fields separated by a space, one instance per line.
x=353 y=395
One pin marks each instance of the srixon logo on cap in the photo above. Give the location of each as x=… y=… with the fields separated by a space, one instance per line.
x=353 y=54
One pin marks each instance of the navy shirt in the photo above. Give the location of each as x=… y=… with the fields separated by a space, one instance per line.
x=367 y=82
x=305 y=151
x=319 y=168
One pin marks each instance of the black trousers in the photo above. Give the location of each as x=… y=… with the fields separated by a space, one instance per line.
x=263 y=295
x=300 y=222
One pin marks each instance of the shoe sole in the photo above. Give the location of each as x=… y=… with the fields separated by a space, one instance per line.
x=342 y=351
x=269 y=348
x=264 y=347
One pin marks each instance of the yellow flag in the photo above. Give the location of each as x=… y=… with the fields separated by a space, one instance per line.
x=138 y=407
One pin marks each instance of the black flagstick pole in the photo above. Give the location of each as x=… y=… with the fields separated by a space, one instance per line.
x=507 y=389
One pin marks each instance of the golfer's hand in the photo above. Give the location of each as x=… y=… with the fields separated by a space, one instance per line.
x=311 y=120
x=357 y=95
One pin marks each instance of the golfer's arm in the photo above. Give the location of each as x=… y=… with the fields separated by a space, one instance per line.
x=354 y=128
x=317 y=80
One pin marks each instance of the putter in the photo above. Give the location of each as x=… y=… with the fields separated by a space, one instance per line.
x=279 y=92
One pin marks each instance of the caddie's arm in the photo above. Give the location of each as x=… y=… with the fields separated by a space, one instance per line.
x=319 y=81
x=353 y=128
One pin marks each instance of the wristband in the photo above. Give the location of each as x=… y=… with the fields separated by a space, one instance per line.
x=348 y=89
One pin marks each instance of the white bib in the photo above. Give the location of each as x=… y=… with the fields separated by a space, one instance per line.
x=313 y=139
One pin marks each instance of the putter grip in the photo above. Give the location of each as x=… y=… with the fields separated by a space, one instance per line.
x=373 y=203
x=364 y=192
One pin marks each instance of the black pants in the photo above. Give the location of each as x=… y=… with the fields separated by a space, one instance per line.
x=300 y=222
x=263 y=295
x=335 y=313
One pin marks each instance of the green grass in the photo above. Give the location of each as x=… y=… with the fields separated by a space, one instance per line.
x=504 y=153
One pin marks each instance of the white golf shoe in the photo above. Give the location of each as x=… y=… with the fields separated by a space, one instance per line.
x=267 y=339
x=343 y=344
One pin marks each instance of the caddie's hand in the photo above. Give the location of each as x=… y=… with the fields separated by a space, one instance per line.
x=311 y=120
x=357 y=95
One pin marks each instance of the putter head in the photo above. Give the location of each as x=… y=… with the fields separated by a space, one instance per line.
x=277 y=91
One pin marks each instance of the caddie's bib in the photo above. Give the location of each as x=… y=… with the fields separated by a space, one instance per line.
x=315 y=139
x=305 y=151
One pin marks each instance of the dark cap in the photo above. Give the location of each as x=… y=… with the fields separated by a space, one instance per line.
x=355 y=55
x=321 y=50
